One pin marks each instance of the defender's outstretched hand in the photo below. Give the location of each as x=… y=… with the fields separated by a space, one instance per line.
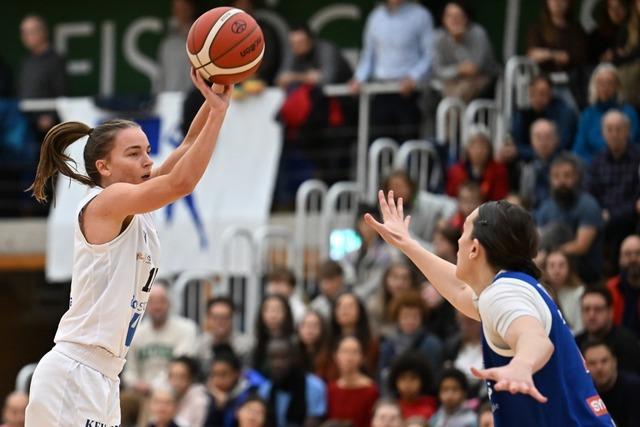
x=395 y=227
x=513 y=378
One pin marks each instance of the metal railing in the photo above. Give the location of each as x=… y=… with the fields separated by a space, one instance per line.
x=449 y=116
x=339 y=209
x=382 y=155
x=518 y=74
x=422 y=163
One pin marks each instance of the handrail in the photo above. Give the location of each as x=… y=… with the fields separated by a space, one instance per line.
x=419 y=170
x=331 y=207
x=376 y=152
x=447 y=130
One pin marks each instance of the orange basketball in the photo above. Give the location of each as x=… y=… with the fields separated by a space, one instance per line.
x=225 y=45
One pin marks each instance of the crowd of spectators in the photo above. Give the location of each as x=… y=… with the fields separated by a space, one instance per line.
x=377 y=345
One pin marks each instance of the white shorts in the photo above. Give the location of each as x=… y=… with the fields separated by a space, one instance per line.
x=67 y=393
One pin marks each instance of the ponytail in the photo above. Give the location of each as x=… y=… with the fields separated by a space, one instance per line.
x=53 y=159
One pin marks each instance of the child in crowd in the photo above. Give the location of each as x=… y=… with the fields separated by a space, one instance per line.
x=452 y=393
x=410 y=380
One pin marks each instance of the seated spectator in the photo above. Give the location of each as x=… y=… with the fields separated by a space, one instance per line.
x=542 y=105
x=313 y=344
x=604 y=95
x=365 y=266
x=464 y=350
x=313 y=61
x=411 y=334
x=613 y=181
x=485 y=415
x=445 y=242
x=274 y=320
x=426 y=209
x=441 y=316
x=469 y=198
x=397 y=45
x=353 y=395
x=162 y=408
x=463 y=58
x=557 y=43
x=229 y=387
x=625 y=287
x=386 y=413
x=399 y=277
x=295 y=398
x=617 y=388
x=252 y=413
x=173 y=71
x=534 y=176
x=42 y=73
x=452 y=392
x=349 y=317
x=219 y=330
x=604 y=38
x=411 y=382
x=331 y=284
x=282 y=281
x=478 y=166
x=160 y=337
x=560 y=275
x=15 y=405
x=626 y=56
x=597 y=317
x=191 y=396
x=577 y=212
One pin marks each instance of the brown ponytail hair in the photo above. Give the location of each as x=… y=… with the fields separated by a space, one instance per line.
x=53 y=159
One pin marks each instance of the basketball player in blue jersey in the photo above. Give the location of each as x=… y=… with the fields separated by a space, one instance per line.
x=116 y=254
x=534 y=371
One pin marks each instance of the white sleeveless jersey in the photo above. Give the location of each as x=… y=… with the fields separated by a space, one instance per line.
x=110 y=285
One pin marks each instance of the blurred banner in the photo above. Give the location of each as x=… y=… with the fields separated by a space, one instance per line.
x=235 y=190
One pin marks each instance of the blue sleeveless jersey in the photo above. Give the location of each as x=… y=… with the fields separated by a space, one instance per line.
x=564 y=380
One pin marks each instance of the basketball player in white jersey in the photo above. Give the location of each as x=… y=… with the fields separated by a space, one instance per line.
x=116 y=251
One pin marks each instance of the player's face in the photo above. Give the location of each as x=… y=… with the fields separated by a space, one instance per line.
x=129 y=159
x=387 y=416
x=602 y=365
x=252 y=414
x=466 y=246
x=596 y=316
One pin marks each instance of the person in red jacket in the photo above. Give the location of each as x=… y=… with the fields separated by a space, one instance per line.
x=625 y=287
x=478 y=166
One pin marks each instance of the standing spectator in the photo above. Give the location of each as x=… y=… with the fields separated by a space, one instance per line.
x=229 y=386
x=625 y=287
x=626 y=55
x=331 y=284
x=173 y=69
x=604 y=94
x=274 y=320
x=613 y=181
x=411 y=334
x=478 y=166
x=464 y=350
x=295 y=398
x=162 y=408
x=350 y=318
x=252 y=413
x=282 y=281
x=452 y=392
x=463 y=58
x=542 y=105
x=7 y=89
x=313 y=344
x=191 y=396
x=597 y=317
x=560 y=275
x=398 y=278
x=534 y=176
x=603 y=39
x=14 y=408
x=576 y=211
x=219 y=330
x=618 y=389
x=386 y=413
x=365 y=266
x=411 y=382
x=426 y=209
x=353 y=395
x=42 y=73
x=397 y=45
x=160 y=337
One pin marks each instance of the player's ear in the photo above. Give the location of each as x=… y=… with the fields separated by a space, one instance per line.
x=474 y=251
x=103 y=168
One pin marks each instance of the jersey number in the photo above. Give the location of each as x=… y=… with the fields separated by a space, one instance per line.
x=135 y=319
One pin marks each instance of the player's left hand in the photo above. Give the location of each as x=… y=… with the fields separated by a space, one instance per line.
x=515 y=378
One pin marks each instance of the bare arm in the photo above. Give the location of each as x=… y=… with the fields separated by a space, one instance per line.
x=194 y=130
x=532 y=348
x=581 y=244
x=442 y=274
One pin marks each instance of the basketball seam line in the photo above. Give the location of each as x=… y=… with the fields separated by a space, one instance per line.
x=232 y=47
